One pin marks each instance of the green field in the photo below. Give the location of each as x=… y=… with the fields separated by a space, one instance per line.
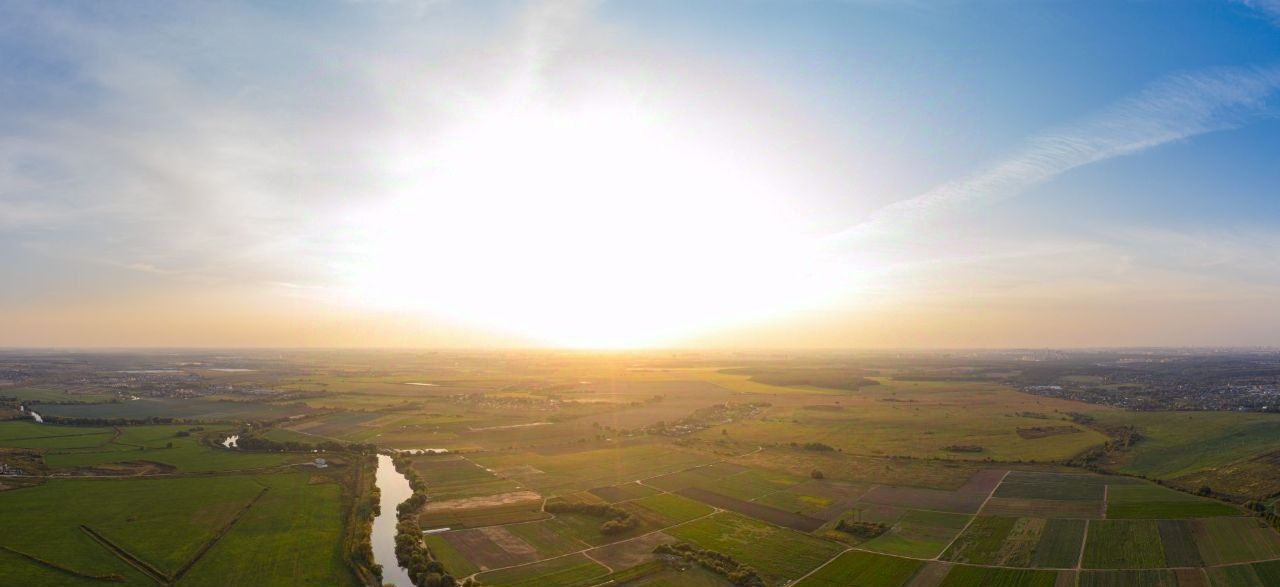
x=567 y=571
x=1153 y=501
x=965 y=576
x=863 y=569
x=165 y=522
x=1123 y=544
x=779 y=554
x=1060 y=544
x=921 y=534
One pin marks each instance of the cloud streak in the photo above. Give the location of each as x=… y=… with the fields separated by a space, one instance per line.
x=1175 y=108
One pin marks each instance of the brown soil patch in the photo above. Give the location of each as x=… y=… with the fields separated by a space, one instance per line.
x=487 y=501
x=491 y=548
x=125 y=468
x=624 y=555
x=753 y=509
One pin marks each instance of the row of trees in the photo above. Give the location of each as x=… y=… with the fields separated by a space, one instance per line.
x=412 y=554
x=716 y=562
x=617 y=520
x=358 y=543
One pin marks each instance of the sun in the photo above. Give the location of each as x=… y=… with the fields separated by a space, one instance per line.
x=602 y=224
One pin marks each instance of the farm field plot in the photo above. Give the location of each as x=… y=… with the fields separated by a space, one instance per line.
x=778 y=554
x=1054 y=486
x=1043 y=508
x=631 y=553
x=966 y=499
x=863 y=569
x=1233 y=540
x=455 y=477
x=1060 y=544
x=758 y=511
x=568 y=571
x=919 y=534
x=576 y=471
x=179 y=515
x=494 y=547
x=751 y=484
x=449 y=556
x=1123 y=544
x=822 y=499
x=1153 y=501
x=1160 y=578
x=544 y=537
x=506 y=508
x=1019 y=542
x=1237 y=576
x=165 y=522
x=624 y=492
x=966 y=576
x=286 y=539
x=866 y=469
x=673 y=509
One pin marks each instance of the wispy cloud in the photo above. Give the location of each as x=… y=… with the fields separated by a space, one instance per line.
x=1270 y=8
x=1173 y=109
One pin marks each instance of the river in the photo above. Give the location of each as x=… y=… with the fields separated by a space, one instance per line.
x=394 y=489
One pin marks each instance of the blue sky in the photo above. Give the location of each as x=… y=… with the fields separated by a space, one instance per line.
x=873 y=173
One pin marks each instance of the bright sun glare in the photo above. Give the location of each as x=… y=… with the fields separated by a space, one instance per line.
x=602 y=225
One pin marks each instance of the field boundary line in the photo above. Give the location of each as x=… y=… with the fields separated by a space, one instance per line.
x=587 y=553
x=57 y=567
x=217 y=537
x=1084 y=541
x=972 y=517
x=127 y=556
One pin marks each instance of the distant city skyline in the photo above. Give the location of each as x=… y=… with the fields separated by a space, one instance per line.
x=607 y=174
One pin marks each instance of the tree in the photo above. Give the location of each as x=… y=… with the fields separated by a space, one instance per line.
x=816 y=474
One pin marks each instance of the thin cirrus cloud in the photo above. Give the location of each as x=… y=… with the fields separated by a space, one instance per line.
x=1174 y=108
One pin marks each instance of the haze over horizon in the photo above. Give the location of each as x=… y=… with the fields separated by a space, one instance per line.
x=603 y=174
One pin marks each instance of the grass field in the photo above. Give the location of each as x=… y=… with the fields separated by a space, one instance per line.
x=288 y=535
x=776 y=553
x=285 y=539
x=863 y=569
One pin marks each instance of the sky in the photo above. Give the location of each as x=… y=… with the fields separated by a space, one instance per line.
x=609 y=174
